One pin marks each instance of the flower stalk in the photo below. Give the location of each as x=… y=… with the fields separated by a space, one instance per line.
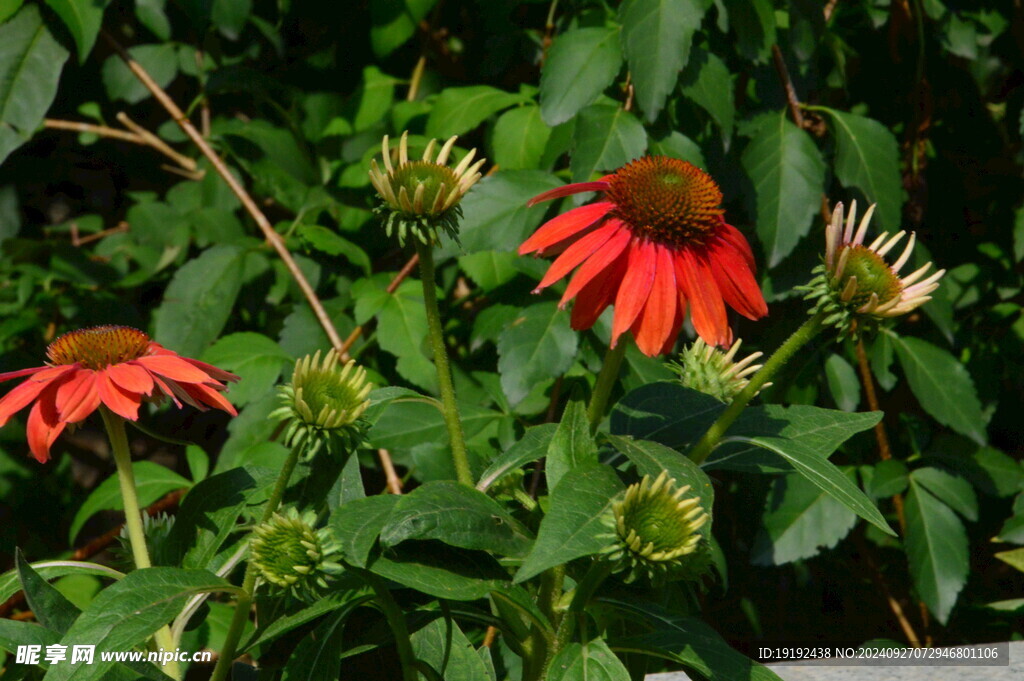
x=605 y=383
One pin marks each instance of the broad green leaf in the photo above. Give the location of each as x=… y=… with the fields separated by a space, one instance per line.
x=256 y=359
x=942 y=386
x=402 y=331
x=788 y=175
x=442 y=645
x=51 y=608
x=348 y=599
x=881 y=355
x=458 y=516
x=358 y=523
x=393 y=22
x=937 y=550
x=581 y=63
x=490 y=269
x=678 y=145
x=373 y=99
x=1014 y=558
x=953 y=491
x=573 y=526
x=8 y=8
x=152 y=481
x=330 y=242
x=706 y=81
x=230 y=16
x=495 y=216
x=302 y=334
x=606 y=137
x=593 y=661
x=754 y=24
x=989 y=470
x=30 y=64
x=1018 y=236
x=198 y=301
x=531 y=447
x=441 y=571
x=1012 y=530
x=889 y=477
x=405 y=425
x=537 y=345
x=129 y=611
x=51 y=569
x=457 y=110
x=842 y=382
x=14 y=633
x=317 y=657
x=867 y=157
x=656 y=37
x=160 y=61
x=667 y=413
x=572 y=444
x=687 y=641
x=520 y=136
x=799 y=520
x=83 y=19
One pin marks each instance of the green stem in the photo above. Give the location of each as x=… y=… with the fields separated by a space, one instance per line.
x=133 y=515
x=241 y=615
x=605 y=382
x=444 y=373
x=396 y=620
x=800 y=338
x=585 y=590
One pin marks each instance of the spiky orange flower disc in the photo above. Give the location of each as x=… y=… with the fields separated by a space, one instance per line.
x=99 y=347
x=668 y=200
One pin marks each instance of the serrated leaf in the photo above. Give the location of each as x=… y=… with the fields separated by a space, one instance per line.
x=936 y=545
x=519 y=139
x=573 y=526
x=30 y=64
x=678 y=145
x=531 y=447
x=867 y=157
x=457 y=110
x=51 y=569
x=605 y=138
x=442 y=645
x=490 y=269
x=799 y=520
x=537 y=345
x=160 y=61
x=788 y=175
x=495 y=216
x=332 y=243
x=754 y=24
x=942 y=386
x=51 y=608
x=656 y=38
x=889 y=477
x=707 y=82
x=842 y=382
x=950 y=489
x=580 y=65
x=358 y=523
x=572 y=444
x=256 y=359
x=592 y=661
x=83 y=19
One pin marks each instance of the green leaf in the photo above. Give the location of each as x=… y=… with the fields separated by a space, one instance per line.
x=581 y=63
x=867 y=157
x=152 y=481
x=656 y=38
x=8 y=8
x=332 y=243
x=457 y=110
x=531 y=447
x=573 y=526
x=788 y=175
x=799 y=520
x=230 y=16
x=51 y=608
x=519 y=138
x=707 y=82
x=317 y=657
x=606 y=137
x=881 y=355
x=394 y=22
x=537 y=345
x=490 y=269
x=358 y=523
x=405 y=425
x=842 y=382
x=593 y=661
x=160 y=61
x=942 y=386
x=1014 y=558
x=30 y=64
x=754 y=24
x=129 y=611
x=256 y=359
x=458 y=516
x=441 y=571
x=348 y=599
x=678 y=145
x=495 y=216
x=442 y=645
x=665 y=412
x=1018 y=236
x=572 y=444
x=51 y=569
x=936 y=545
x=889 y=477
x=199 y=299
x=950 y=489
x=83 y=19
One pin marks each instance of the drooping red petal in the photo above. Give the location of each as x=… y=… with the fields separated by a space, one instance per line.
x=739 y=242
x=210 y=397
x=53 y=373
x=568 y=190
x=635 y=287
x=706 y=307
x=598 y=294
x=18 y=399
x=215 y=372
x=131 y=377
x=577 y=253
x=602 y=258
x=654 y=324
x=43 y=426
x=118 y=400
x=77 y=397
x=20 y=372
x=735 y=280
x=174 y=368
x=677 y=324
x=565 y=225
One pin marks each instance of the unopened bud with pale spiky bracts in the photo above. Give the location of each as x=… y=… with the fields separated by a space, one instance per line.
x=156 y=528
x=290 y=553
x=714 y=371
x=657 y=532
x=323 y=404
x=856 y=286
x=421 y=197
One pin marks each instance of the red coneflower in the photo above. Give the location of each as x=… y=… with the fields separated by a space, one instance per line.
x=116 y=366
x=654 y=244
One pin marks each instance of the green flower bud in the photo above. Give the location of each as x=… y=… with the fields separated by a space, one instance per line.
x=156 y=529
x=290 y=554
x=713 y=371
